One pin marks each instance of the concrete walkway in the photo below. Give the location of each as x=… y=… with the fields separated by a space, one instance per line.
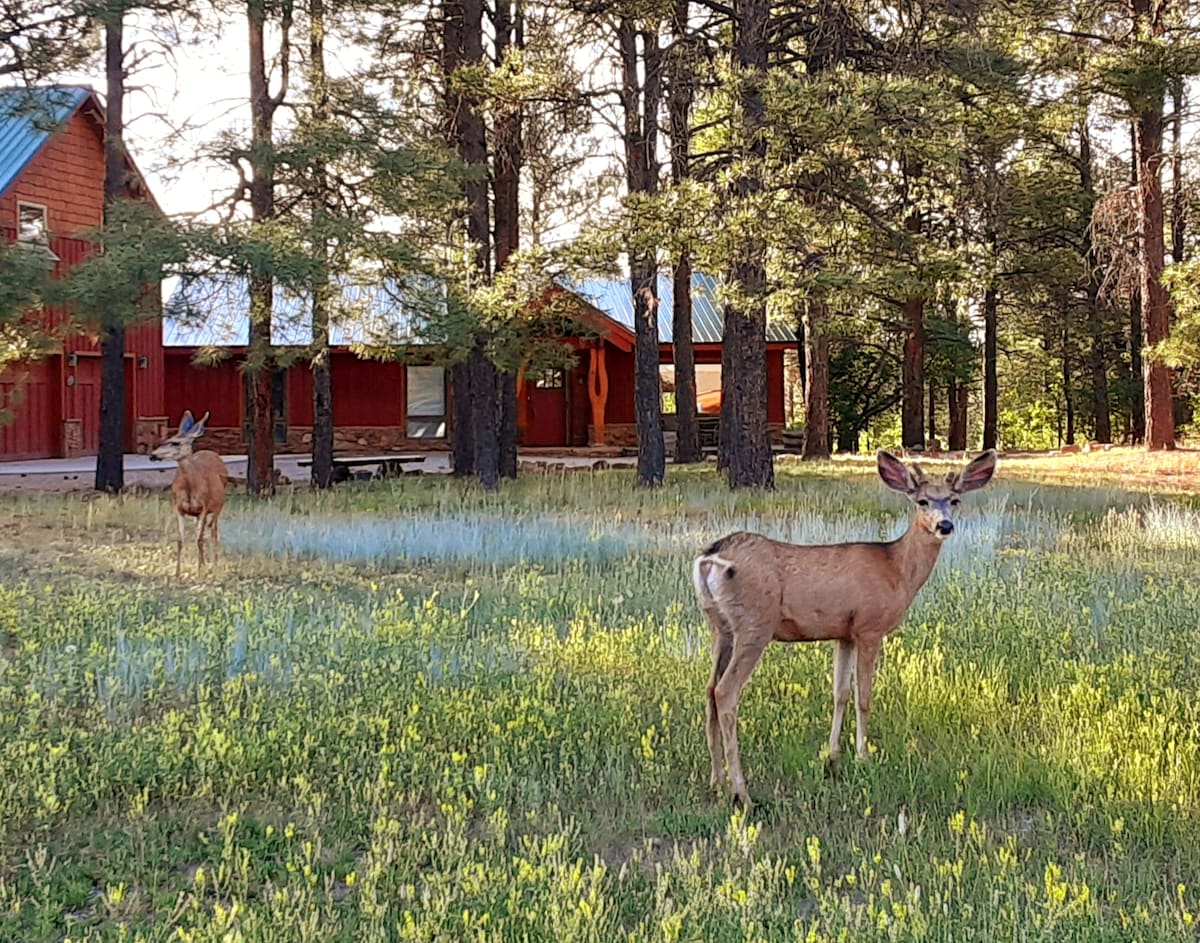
x=72 y=474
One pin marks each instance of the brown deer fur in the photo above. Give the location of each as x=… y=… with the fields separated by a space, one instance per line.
x=755 y=590
x=198 y=489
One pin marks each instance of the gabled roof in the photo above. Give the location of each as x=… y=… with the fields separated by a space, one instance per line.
x=615 y=298
x=28 y=117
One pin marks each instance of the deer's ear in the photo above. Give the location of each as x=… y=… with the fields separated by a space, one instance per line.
x=186 y=423
x=198 y=428
x=978 y=473
x=895 y=473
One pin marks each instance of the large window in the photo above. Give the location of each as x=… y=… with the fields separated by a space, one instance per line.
x=708 y=387
x=426 y=403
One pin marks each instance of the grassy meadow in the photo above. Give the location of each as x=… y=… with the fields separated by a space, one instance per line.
x=410 y=711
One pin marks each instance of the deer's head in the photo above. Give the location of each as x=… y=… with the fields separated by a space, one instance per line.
x=180 y=445
x=935 y=501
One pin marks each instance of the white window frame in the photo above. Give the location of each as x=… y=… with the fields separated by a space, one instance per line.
x=42 y=239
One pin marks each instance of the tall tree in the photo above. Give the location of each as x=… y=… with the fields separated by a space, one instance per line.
x=1148 y=22
x=681 y=70
x=641 y=96
x=322 y=361
x=110 y=458
x=745 y=443
x=260 y=366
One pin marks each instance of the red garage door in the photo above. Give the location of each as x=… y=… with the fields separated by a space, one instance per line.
x=30 y=398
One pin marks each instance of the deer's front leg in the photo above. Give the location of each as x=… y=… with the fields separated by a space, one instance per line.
x=864 y=679
x=843 y=669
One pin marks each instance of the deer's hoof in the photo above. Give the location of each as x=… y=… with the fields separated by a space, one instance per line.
x=741 y=798
x=833 y=766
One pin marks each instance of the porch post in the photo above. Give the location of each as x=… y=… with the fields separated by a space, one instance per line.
x=598 y=391
x=522 y=405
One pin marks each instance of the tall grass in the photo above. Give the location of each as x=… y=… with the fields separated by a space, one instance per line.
x=412 y=711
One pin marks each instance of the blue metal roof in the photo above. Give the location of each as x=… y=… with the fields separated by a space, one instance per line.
x=28 y=117
x=615 y=298
x=212 y=312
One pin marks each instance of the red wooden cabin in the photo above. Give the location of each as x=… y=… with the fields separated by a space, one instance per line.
x=381 y=405
x=51 y=193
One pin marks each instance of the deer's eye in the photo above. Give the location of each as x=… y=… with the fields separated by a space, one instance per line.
x=923 y=503
x=954 y=502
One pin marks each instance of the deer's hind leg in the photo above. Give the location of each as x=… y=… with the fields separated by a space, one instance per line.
x=747 y=652
x=722 y=650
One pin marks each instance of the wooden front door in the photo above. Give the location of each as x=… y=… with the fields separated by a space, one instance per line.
x=546 y=396
x=83 y=401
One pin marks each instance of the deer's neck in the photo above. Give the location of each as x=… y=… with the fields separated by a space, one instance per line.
x=915 y=554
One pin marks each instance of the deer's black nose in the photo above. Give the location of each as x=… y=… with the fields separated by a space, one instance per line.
x=155 y=458
x=945 y=528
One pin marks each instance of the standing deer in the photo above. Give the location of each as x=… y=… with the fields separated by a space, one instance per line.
x=754 y=590
x=198 y=489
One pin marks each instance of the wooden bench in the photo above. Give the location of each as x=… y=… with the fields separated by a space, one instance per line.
x=387 y=466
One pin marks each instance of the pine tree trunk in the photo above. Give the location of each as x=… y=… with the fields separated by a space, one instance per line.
x=816 y=399
x=322 y=365
x=957 y=432
x=647 y=389
x=1068 y=379
x=1156 y=324
x=483 y=416
x=912 y=411
x=991 y=398
x=641 y=95
x=748 y=444
x=1137 y=410
x=110 y=460
x=687 y=428
x=931 y=432
x=506 y=177
x=260 y=416
x=462 y=442
x=1179 y=187
x=1098 y=356
x=508 y=424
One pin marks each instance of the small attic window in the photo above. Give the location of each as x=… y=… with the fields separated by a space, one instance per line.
x=31 y=223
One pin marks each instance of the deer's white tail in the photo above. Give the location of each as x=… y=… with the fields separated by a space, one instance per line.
x=708 y=573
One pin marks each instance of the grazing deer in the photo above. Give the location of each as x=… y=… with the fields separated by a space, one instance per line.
x=754 y=590
x=198 y=489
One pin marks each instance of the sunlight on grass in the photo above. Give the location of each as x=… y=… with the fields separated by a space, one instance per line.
x=409 y=710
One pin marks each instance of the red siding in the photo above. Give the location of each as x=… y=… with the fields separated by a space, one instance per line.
x=300 y=394
x=33 y=392
x=367 y=392
x=216 y=389
x=619 y=365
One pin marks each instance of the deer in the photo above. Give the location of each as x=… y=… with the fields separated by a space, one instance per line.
x=198 y=489
x=755 y=590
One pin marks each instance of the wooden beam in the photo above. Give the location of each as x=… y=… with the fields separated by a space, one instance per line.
x=598 y=392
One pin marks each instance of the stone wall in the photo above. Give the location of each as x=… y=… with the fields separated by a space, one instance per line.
x=347 y=440
x=625 y=434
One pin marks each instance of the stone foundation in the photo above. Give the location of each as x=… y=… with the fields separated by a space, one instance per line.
x=625 y=434
x=148 y=432
x=347 y=440
x=72 y=437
